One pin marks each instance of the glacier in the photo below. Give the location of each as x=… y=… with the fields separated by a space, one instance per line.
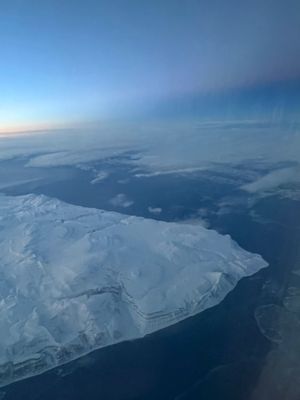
x=75 y=279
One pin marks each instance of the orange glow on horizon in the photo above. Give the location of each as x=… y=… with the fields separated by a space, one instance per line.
x=23 y=129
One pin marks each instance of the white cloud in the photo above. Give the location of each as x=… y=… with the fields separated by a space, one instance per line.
x=121 y=200
x=273 y=180
x=155 y=210
x=100 y=176
x=179 y=171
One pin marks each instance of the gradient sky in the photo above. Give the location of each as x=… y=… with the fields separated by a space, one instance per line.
x=69 y=61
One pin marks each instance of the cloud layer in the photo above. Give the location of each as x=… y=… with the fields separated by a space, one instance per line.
x=169 y=147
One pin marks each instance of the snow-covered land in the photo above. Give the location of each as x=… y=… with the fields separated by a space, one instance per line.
x=74 y=279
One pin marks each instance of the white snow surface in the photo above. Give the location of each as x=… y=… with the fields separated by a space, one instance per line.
x=74 y=279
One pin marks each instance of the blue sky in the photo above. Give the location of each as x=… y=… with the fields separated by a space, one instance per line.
x=78 y=61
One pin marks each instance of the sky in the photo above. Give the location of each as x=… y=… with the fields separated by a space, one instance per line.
x=73 y=62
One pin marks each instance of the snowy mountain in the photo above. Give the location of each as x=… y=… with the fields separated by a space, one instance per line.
x=73 y=279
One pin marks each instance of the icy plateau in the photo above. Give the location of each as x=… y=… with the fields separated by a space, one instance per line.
x=74 y=279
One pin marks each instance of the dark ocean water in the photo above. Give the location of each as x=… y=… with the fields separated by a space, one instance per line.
x=218 y=354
